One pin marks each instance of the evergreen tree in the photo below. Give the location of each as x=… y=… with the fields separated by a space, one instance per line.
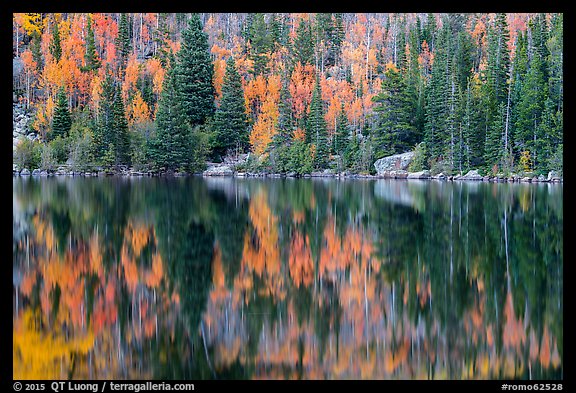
x=498 y=62
x=194 y=74
x=169 y=149
x=61 y=122
x=121 y=138
x=104 y=132
x=316 y=133
x=91 y=60
x=342 y=134
x=260 y=44
x=436 y=108
x=55 y=46
x=494 y=148
x=123 y=41
x=393 y=133
x=529 y=109
x=36 y=49
x=285 y=123
x=230 y=119
x=303 y=45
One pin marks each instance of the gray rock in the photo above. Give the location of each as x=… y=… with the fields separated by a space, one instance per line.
x=542 y=178
x=472 y=175
x=395 y=162
x=36 y=172
x=439 y=176
x=552 y=174
x=44 y=173
x=526 y=179
x=25 y=172
x=486 y=178
x=291 y=174
x=240 y=174
x=218 y=170
x=419 y=175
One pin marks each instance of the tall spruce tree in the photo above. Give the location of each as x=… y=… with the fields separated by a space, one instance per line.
x=123 y=41
x=194 y=74
x=104 y=132
x=61 y=122
x=230 y=120
x=285 y=123
x=393 y=106
x=303 y=45
x=121 y=138
x=169 y=149
x=91 y=60
x=55 y=44
x=342 y=134
x=316 y=132
x=261 y=42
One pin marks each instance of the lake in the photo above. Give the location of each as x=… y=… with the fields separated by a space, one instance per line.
x=223 y=278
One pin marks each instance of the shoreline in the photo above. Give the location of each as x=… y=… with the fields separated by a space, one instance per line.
x=340 y=176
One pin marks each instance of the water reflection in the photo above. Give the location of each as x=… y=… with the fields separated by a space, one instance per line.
x=242 y=278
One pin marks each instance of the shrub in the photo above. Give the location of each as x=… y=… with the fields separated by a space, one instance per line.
x=27 y=154
x=60 y=148
x=82 y=149
x=47 y=158
x=419 y=160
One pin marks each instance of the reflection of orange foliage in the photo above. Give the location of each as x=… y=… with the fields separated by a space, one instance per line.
x=300 y=262
x=513 y=334
x=261 y=253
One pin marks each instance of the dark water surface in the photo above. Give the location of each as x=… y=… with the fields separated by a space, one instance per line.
x=194 y=278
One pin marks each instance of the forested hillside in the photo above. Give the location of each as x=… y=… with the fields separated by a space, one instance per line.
x=301 y=92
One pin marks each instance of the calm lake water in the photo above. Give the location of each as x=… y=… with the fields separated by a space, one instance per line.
x=193 y=278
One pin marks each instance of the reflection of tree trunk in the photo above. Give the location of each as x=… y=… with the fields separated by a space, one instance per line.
x=206 y=349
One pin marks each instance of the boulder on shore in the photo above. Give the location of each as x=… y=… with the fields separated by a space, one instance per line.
x=419 y=175
x=472 y=175
x=394 y=163
x=218 y=170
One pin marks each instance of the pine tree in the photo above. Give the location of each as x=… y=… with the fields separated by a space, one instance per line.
x=61 y=122
x=260 y=44
x=36 y=49
x=91 y=60
x=104 y=131
x=436 y=108
x=303 y=45
x=316 y=133
x=123 y=41
x=285 y=123
x=194 y=73
x=169 y=149
x=393 y=132
x=342 y=134
x=121 y=138
x=529 y=109
x=230 y=119
x=498 y=62
x=55 y=46
x=494 y=149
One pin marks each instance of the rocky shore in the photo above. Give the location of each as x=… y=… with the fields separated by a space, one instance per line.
x=226 y=171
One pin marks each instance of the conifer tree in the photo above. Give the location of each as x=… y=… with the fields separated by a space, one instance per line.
x=393 y=132
x=194 y=74
x=303 y=45
x=123 y=42
x=91 y=60
x=342 y=134
x=230 y=120
x=316 y=133
x=55 y=45
x=61 y=121
x=121 y=138
x=169 y=148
